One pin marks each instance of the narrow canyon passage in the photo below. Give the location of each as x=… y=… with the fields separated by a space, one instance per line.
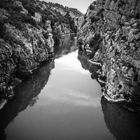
x=68 y=107
x=69 y=70
x=60 y=101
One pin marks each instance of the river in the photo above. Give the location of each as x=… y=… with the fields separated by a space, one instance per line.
x=61 y=101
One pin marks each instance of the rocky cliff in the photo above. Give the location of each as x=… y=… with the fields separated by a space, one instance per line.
x=26 y=95
x=110 y=36
x=26 y=38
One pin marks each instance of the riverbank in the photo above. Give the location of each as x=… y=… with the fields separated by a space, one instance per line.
x=67 y=43
x=61 y=101
x=28 y=32
x=109 y=36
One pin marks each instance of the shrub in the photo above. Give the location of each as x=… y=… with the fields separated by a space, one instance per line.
x=91 y=7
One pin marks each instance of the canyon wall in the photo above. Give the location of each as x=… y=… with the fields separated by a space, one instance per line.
x=28 y=31
x=110 y=37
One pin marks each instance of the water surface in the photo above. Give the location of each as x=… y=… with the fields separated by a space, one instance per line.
x=68 y=107
x=60 y=101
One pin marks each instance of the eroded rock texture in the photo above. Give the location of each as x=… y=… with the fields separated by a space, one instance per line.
x=115 y=116
x=111 y=31
x=27 y=30
x=27 y=95
x=23 y=45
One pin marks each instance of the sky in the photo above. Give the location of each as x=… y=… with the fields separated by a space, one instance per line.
x=81 y=5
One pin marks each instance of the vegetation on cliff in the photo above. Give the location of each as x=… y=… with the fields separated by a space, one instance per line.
x=26 y=37
x=110 y=34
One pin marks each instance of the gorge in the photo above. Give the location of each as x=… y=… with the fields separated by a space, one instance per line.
x=28 y=32
x=60 y=100
x=69 y=76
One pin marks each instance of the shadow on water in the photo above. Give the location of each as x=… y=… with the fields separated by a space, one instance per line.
x=93 y=69
x=26 y=95
x=123 y=124
x=67 y=44
x=27 y=92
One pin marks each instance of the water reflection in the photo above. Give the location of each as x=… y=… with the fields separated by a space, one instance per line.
x=27 y=92
x=26 y=95
x=124 y=125
x=67 y=44
x=93 y=69
x=67 y=107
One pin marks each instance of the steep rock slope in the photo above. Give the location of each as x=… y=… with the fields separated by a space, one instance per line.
x=64 y=19
x=26 y=38
x=110 y=35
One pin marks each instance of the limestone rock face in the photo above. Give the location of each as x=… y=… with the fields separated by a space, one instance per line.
x=111 y=30
x=24 y=44
x=115 y=116
x=7 y=65
x=27 y=37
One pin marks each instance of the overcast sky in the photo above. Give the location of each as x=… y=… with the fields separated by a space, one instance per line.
x=81 y=5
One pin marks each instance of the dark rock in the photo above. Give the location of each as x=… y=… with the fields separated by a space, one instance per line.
x=27 y=33
x=27 y=95
x=123 y=124
x=117 y=46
